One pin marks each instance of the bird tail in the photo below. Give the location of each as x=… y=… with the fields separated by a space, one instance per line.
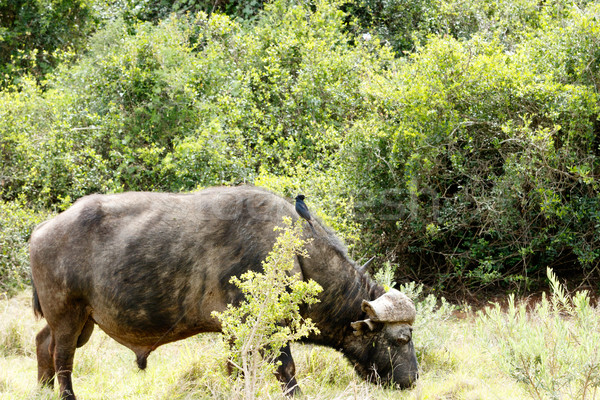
x=312 y=227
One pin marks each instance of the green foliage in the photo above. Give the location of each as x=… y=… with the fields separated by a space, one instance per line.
x=34 y=35
x=550 y=348
x=45 y=159
x=401 y=23
x=16 y=224
x=198 y=101
x=145 y=10
x=470 y=160
x=407 y=24
x=474 y=161
x=269 y=317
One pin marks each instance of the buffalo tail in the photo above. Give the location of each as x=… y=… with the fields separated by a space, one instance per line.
x=37 y=308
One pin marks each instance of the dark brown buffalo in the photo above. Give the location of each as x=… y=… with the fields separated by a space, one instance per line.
x=149 y=269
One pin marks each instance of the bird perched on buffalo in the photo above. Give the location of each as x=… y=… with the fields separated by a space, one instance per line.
x=302 y=210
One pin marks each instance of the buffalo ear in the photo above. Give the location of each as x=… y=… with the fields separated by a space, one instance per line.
x=363 y=326
x=368 y=308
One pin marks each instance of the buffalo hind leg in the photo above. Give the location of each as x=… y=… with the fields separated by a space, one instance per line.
x=71 y=331
x=286 y=372
x=64 y=351
x=45 y=356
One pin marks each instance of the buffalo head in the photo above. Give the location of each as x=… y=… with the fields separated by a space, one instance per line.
x=387 y=353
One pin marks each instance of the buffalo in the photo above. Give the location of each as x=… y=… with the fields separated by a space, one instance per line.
x=149 y=268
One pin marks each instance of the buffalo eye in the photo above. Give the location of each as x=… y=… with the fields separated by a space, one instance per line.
x=404 y=337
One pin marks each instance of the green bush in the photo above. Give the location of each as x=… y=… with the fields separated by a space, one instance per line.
x=144 y=10
x=16 y=224
x=471 y=161
x=476 y=169
x=407 y=24
x=269 y=316
x=195 y=101
x=35 y=36
x=45 y=159
x=401 y=23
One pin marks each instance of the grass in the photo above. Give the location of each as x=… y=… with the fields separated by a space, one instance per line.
x=461 y=366
x=546 y=350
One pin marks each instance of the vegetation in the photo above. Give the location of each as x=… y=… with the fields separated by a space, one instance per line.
x=551 y=348
x=16 y=224
x=254 y=328
x=459 y=141
x=36 y=36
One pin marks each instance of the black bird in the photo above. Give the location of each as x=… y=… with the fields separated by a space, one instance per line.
x=302 y=210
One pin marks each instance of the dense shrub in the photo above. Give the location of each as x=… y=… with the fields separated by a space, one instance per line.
x=406 y=24
x=471 y=160
x=477 y=161
x=35 y=34
x=401 y=23
x=192 y=101
x=45 y=159
x=145 y=10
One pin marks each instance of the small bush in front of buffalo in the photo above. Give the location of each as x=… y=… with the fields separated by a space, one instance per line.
x=254 y=328
x=553 y=347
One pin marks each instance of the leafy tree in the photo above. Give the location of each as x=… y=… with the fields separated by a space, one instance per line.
x=144 y=10
x=34 y=33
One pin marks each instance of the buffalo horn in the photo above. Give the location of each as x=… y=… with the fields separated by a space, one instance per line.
x=393 y=306
x=363 y=268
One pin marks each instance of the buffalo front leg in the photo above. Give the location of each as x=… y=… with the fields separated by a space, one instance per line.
x=286 y=372
x=45 y=356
